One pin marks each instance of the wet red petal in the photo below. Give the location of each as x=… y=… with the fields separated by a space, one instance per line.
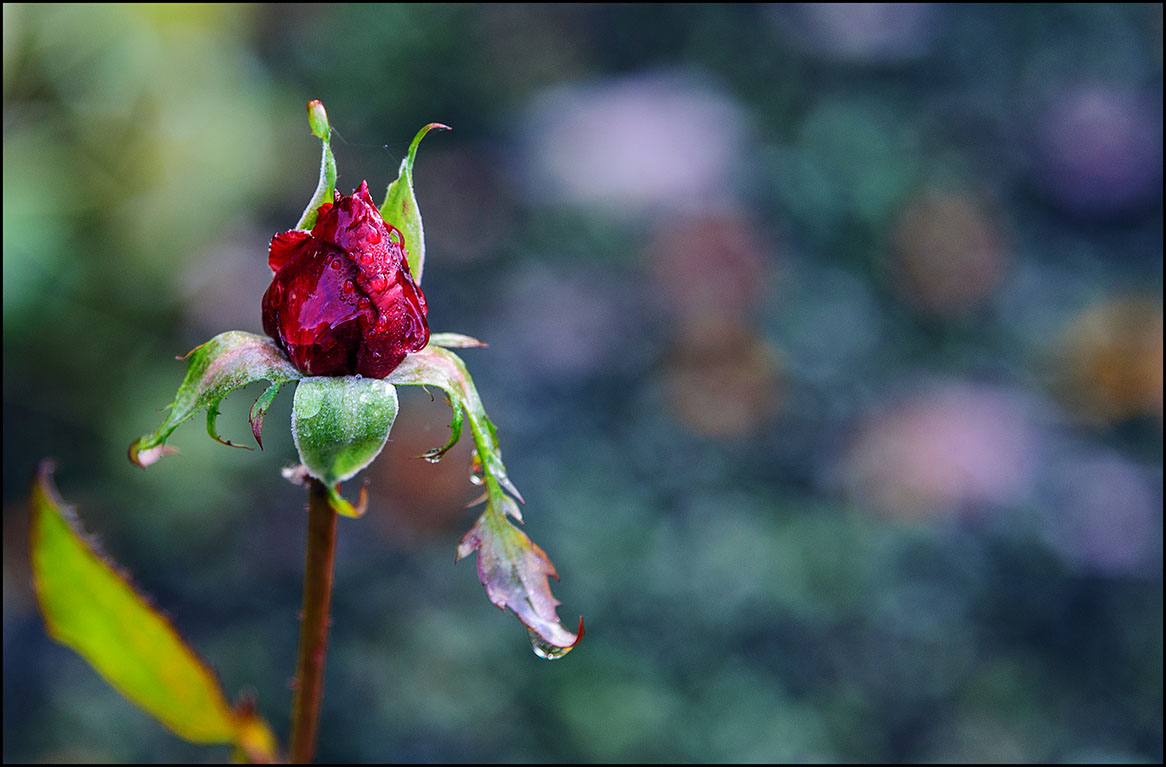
x=284 y=246
x=343 y=301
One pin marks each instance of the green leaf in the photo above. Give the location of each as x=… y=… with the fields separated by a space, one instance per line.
x=340 y=424
x=321 y=129
x=91 y=607
x=214 y=370
x=514 y=570
x=400 y=207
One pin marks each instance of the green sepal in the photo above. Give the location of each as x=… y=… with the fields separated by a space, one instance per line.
x=456 y=341
x=214 y=370
x=340 y=424
x=259 y=411
x=344 y=507
x=400 y=206
x=321 y=129
x=513 y=569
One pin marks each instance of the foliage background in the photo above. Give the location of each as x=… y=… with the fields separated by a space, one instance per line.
x=826 y=348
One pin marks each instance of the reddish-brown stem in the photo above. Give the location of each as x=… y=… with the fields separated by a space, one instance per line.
x=309 y=689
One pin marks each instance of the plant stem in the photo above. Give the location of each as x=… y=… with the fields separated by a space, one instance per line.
x=309 y=690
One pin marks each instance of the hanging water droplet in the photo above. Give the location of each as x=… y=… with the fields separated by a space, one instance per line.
x=544 y=649
x=432 y=458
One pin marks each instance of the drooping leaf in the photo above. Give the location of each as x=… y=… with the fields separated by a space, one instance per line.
x=400 y=206
x=340 y=424
x=214 y=370
x=513 y=569
x=91 y=607
x=321 y=129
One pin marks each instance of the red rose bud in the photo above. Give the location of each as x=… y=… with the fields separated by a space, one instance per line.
x=343 y=301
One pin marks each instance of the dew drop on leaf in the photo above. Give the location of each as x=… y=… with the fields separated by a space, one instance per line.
x=544 y=649
x=477 y=472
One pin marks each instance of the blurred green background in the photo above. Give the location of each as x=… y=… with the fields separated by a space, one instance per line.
x=825 y=346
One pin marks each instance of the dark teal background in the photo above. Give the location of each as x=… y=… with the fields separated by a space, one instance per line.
x=825 y=347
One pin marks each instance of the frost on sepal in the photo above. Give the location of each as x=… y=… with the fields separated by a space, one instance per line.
x=214 y=370
x=340 y=424
x=513 y=569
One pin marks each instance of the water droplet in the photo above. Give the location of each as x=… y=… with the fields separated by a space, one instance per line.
x=349 y=286
x=378 y=282
x=544 y=649
x=335 y=263
x=366 y=258
x=477 y=471
x=432 y=458
x=363 y=302
x=374 y=236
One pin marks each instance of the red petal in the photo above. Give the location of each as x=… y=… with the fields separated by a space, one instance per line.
x=284 y=246
x=342 y=301
x=362 y=193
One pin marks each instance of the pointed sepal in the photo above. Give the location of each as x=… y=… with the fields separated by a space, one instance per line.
x=214 y=370
x=456 y=341
x=400 y=206
x=321 y=129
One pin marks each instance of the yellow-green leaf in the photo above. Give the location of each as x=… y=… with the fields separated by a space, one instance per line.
x=91 y=607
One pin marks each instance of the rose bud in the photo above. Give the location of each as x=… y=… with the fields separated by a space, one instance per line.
x=343 y=301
